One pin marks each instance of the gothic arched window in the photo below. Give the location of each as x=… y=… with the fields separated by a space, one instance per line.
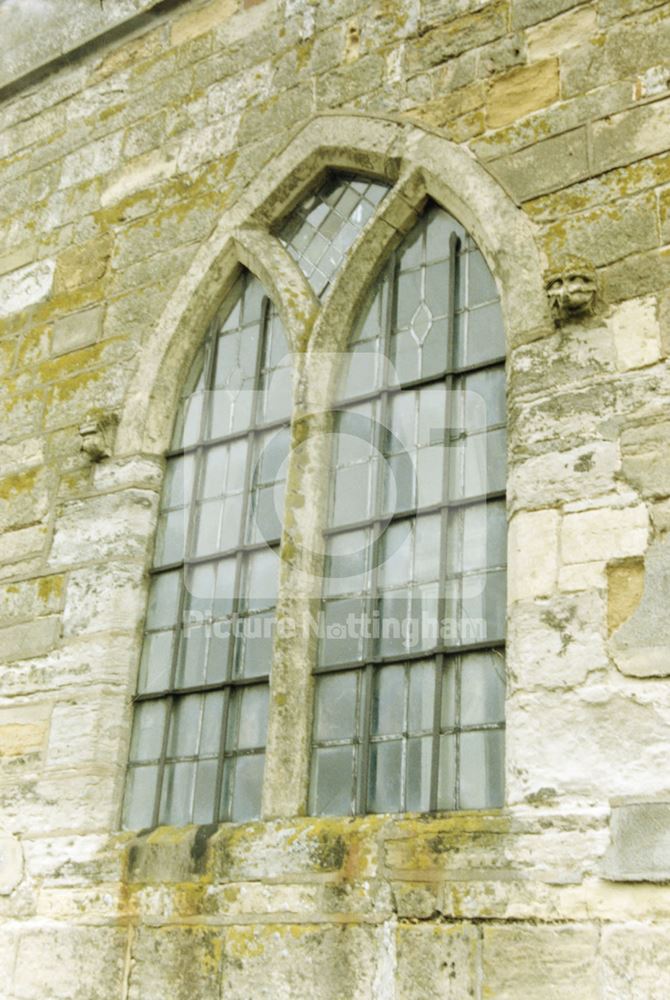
x=408 y=667
x=198 y=741
x=410 y=678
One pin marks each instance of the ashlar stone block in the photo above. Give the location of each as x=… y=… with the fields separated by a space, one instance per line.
x=556 y=642
x=85 y=732
x=103 y=598
x=18 y=738
x=645 y=457
x=540 y=963
x=77 y=330
x=436 y=960
x=197 y=22
x=25 y=286
x=320 y=961
x=533 y=554
x=116 y=525
x=604 y=533
x=28 y=639
x=637 y=333
x=543 y=480
x=636 y=961
x=138 y=175
x=70 y=963
x=641 y=645
x=182 y=963
x=630 y=135
x=592 y=740
x=551 y=38
x=521 y=91
x=92 y=159
x=640 y=843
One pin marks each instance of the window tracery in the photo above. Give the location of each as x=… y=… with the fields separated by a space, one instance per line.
x=416 y=526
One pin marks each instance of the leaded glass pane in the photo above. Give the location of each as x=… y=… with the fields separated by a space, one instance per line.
x=141 y=787
x=252 y=705
x=416 y=541
x=268 y=486
x=336 y=706
x=205 y=790
x=188 y=425
x=363 y=367
x=348 y=563
x=419 y=763
x=193 y=655
x=481 y=773
x=385 y=790
x=254 y=646
x=482 y=688
x=343 y=639
x=323 y=228
x=421 y=705
x=212 y=718
x=247 y=786
x=446 y=788
x=147 y=741
x=388 y=701
x=185 y=726
x=156 y=663
x=276 y=374
x=176 y=807
x=171 y=537
x=210 y=618
x=356 y=465
x=164 y=595
x=332 y=781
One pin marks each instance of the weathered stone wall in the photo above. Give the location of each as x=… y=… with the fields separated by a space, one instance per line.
x=117 y=168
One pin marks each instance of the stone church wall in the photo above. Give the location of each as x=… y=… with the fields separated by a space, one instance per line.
x=118 y=160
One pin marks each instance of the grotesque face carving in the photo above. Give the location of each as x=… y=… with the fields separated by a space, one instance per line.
x=572 y=292
x=97 y=436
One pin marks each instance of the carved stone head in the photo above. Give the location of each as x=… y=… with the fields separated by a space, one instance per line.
x=97 y=436
x=571 y=291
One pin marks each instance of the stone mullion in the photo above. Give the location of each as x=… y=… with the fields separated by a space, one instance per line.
x=290 y=684
x=298 y=605
x=286 y=782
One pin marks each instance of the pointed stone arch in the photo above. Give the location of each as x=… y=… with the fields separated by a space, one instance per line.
x=422 y=163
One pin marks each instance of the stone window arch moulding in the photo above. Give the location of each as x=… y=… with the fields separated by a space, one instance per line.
x=419 y=170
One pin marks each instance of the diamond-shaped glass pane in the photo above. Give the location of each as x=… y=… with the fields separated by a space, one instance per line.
x=322 y=229
x=422 y=320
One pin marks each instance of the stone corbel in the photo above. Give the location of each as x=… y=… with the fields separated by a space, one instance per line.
x=97 y=436
x=572 y=291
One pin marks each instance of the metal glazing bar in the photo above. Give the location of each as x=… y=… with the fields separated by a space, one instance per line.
x=363 y=762
x=453 y=275
x=220 y=813
x=372 y=601
x=419 y=383
x=201 y=688
x=473 y=728
x=424 y=654
x=226 y=438
x=435 y=742
x=208 y=369
x=414 y=513
x=461 y=434
x=457 y=731
x=215 y=557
